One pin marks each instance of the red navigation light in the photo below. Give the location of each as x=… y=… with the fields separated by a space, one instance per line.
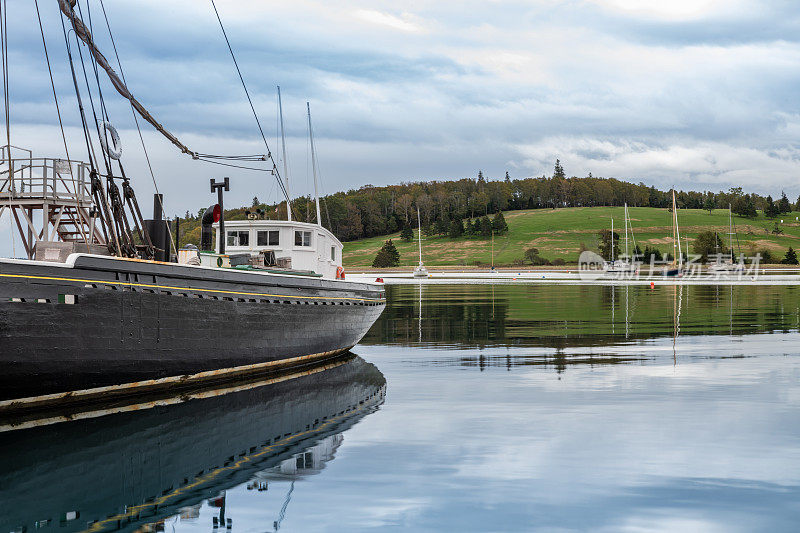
x=217 y=213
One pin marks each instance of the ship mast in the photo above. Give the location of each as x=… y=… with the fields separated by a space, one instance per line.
x=313 y=163
x=285 y=162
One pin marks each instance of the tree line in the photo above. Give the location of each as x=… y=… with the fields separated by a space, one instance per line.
x=447 y=205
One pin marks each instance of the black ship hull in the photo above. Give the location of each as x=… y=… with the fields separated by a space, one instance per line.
x=121 y=471
x=105 y=322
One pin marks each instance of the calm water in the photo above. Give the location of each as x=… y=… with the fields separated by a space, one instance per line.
x=468 y=408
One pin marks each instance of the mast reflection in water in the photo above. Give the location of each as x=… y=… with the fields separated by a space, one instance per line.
x=569 y=316
x=130 y=469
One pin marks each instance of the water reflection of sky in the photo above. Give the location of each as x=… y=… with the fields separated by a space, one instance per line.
x=707 y=441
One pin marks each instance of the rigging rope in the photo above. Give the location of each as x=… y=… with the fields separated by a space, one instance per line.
x=4 y=47
x=7 y=106
x=139 y=129
x=4 y=53
x=250 y=101
x=207 y=160
x=85 y=35
x=52 y=82
x=89 y=146
x=106 y=160
x=106 y=222
x=60 y=122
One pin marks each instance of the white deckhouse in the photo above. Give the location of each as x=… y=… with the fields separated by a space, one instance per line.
x=307 y=246
x=287 y=244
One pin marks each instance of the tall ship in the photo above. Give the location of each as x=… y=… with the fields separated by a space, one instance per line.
x=103 y=302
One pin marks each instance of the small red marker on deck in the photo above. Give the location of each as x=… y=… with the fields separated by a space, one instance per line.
x=652 y=284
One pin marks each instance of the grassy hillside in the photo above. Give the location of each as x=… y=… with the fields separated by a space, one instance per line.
x=560 y=233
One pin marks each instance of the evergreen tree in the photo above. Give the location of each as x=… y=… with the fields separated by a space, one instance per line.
x=391 y=249
x=441 y=227
x=456 y=228
x=766 y=256
x=508 y=178
x=256 y=203
x=382 y=259
x=499 y=223
x=743 y=205
x=770 y=209
x=485 y=227
x=790 y=258
x=387 y=256
x=708 y=244
x=783 y=204
x=532 y=255
x=797 y=205
x=709 y=204
x=481 y=179
x=651 y=254
x=606 y=244
x=407 y=234
x=558 y=170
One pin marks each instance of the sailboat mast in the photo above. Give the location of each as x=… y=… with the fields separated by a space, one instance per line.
x=612 y=239
x=730 y=229
x=419 y=228
x=677 y=235
x=674 y=240
x=285 y=163
x=313 y=163
x=626 y=231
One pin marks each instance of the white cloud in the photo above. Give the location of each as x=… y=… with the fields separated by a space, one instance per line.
x=689 y=163
x=672 y=9
x=401 y=23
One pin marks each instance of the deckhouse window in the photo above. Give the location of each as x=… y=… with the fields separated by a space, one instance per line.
x=333 y=253
x=269 y=238
x=302 y=238
x=238 y=238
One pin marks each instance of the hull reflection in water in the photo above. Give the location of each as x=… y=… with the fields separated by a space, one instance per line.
x=122 y=471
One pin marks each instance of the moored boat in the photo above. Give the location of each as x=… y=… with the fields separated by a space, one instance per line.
x=675 y=268
x=420 y=271
x=727 y=265
x=626 y=264
x=99 y=305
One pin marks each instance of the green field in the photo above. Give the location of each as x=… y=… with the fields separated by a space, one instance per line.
x=560 y=233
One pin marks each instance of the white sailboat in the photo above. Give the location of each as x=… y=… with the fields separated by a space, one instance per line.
x=675 y=268
x=626 y=264
x=420 y=271
x=728 y=265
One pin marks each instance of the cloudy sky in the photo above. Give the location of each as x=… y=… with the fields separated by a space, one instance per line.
x=695 y=93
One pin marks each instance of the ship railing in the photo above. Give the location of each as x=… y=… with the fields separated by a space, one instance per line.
x=24 y=177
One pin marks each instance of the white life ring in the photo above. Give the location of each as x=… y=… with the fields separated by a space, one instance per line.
x=114 y=151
